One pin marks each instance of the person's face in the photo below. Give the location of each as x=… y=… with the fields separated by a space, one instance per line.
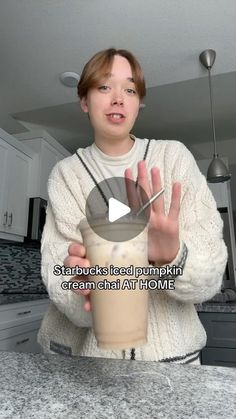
x=114 y=95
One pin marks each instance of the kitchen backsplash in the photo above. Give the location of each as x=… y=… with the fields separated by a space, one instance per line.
x=20 y=268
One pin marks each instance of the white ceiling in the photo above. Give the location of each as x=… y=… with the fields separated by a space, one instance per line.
x=41 y=39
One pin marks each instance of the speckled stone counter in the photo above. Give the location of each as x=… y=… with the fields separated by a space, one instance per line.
x=20 y=298
x=55 y=386
x=229 y=307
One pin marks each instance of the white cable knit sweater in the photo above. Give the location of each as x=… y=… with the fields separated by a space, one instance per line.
x=175 y=333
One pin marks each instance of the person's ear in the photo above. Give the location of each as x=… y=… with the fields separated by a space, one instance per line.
x=83 y=104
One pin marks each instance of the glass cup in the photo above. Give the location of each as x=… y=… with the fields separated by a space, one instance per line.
x=119 y=306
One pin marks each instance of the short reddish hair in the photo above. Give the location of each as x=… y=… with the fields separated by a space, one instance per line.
x=100 y=65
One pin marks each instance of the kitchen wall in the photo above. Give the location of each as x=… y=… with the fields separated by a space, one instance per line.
x=20 y=267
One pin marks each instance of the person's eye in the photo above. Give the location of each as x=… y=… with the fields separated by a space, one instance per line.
x=132 y=91
x=104 y=88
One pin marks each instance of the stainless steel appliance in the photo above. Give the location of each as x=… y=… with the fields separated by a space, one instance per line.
x=229 y=279
x=36 y=218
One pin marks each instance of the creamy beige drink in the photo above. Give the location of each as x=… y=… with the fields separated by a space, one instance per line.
x=120 y=314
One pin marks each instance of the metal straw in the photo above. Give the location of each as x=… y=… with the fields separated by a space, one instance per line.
x=151 y=200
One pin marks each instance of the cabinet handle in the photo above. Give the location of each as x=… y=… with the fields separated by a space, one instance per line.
x=22 y=341
x=11 y=218
x=5 y=218
x=24 y=312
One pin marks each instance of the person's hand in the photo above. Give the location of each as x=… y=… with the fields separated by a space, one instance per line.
x=77 y=256
x=163 y=229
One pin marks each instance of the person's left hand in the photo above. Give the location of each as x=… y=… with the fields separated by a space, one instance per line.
x=163 y=230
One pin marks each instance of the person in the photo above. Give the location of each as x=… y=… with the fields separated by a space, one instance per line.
x=185 y=228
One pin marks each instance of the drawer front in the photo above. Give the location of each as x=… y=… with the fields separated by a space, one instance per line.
x=21 y=339
x=219 y=356
x=220 y=329
x=26 y=342
x=22 y=313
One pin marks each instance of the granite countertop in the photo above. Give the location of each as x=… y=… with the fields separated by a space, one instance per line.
x=222 y=302
x=56 y=386
x=217 y=307
x=20 y=298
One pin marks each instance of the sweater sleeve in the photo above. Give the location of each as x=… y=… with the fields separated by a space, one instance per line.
x=201 y=229
x=60 y=229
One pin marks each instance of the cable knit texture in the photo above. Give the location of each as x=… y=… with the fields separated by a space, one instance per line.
x=175 y=332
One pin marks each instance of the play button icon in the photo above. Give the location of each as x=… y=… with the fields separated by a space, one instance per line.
x=113 y=202
x=117 y=210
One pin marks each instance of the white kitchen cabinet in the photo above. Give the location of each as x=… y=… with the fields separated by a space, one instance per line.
x=4 y=150
x=16 y=314
x=21 y=338
x=24 y=170
x=49 y=152
x=14 y=187
x=19 y=325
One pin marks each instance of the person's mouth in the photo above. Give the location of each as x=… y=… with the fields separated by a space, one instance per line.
x=116 y=117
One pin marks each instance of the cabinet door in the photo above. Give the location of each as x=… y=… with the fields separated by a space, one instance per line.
x=21 y=339
x=220 y=329
x=48 y=161
x=12 y=315
x=14 y=201
x=17 y=184
x=222 y=357
x=220 y=191
x=25 y=342
x=4 y=156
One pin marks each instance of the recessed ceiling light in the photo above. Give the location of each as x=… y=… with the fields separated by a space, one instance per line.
x=69 y=79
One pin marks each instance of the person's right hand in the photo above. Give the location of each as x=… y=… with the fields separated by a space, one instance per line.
x=77 y=256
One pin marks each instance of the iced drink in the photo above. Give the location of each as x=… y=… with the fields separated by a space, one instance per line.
x=119 y=315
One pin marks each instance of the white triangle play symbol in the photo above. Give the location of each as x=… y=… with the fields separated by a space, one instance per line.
x=117 y=209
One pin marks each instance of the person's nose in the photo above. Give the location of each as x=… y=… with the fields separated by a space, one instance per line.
x=117 y=99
